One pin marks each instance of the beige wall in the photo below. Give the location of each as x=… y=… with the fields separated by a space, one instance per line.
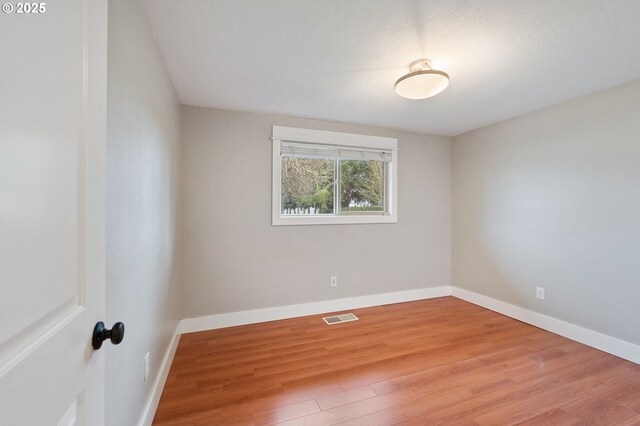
x=143 y=156
x=234 y=259
x=552 y=199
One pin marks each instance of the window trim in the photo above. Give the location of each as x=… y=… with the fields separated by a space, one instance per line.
x=294 y=134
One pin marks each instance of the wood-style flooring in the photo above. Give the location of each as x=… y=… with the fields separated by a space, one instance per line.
x=438 y=361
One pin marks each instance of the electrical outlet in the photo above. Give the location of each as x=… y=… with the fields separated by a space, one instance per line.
x=540 y=293
x=334 y=281
x=146 y=366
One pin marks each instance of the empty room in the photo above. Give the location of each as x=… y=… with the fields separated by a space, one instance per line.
x=319 y=212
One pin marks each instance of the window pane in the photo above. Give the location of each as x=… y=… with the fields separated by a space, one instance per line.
x=362 y=186
x=307 y=186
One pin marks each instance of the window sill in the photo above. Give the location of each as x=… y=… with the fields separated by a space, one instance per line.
x=332 y=220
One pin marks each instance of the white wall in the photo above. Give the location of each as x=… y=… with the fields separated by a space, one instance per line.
x=552 y=199
x=234 y=259
x=143 y=262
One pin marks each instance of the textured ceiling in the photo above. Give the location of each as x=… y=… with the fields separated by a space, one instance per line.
x=338 y=59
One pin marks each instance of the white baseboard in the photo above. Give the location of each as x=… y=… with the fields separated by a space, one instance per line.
x=158 y=385
x=612 y=345
x=231 y=319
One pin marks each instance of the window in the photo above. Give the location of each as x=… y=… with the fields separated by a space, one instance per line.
x=324 y=177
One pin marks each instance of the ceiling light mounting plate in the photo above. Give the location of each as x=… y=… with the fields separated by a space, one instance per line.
x=420 y=65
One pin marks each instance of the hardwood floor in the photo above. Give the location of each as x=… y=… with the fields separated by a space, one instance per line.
x=438 y=361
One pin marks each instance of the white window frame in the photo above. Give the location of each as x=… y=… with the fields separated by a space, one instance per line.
x=294 y=134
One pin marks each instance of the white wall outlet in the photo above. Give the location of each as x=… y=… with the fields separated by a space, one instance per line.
x=540 y=293
x=146 y=366
x=334 y=281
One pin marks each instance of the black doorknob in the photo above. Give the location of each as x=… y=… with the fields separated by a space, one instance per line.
x=100 y=334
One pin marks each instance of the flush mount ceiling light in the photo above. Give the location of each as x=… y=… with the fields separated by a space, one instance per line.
x=422 y=81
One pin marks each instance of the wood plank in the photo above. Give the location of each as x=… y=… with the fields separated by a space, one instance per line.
x=438 y=361
x=346 y=397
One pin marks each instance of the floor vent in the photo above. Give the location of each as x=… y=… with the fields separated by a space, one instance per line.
x=340 y=318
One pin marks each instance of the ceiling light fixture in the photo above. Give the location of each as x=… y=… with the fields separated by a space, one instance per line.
x=422 y=81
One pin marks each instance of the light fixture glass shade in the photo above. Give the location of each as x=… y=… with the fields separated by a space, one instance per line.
x=422 y=84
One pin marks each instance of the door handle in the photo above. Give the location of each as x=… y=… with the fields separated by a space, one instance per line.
x=100 y=334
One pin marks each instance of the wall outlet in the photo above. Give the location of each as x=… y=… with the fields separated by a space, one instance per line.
x=146 y=366
x=540 y=293
x=334 y=281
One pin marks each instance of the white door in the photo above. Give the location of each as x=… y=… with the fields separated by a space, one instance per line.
x=52 y=225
